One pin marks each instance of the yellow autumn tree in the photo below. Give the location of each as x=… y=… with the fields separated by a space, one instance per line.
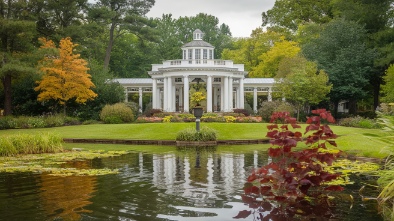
x=270 y=60
x=65 y=75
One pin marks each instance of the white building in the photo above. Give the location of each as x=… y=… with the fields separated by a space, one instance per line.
x=225 y=81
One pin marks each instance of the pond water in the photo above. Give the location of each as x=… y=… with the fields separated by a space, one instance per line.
x=178 y=185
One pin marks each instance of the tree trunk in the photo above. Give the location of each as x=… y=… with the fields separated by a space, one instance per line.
x=353 y=107
x=376 y=93
x=7 y=95
x=64 y=110
x=336 y=103
x=109 y=47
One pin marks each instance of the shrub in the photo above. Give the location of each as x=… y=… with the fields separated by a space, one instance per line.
x=295 y=180
x=242 y=111
x=134 y=107
x=359 y=122
x=54 y=120
x=117 y=113
x=269 y=107
x=187 y=117
x=190 y=134
x=36 y=122
x=230 y=119
x=167 y=119
x=152 y=112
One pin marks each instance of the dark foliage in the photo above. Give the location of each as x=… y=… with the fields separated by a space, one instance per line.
x=293 y=176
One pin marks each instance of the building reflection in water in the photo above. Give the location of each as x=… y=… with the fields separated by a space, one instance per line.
x=201 y=177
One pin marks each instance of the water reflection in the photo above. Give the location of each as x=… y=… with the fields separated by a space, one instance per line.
x=65 y=198
x=179 y=185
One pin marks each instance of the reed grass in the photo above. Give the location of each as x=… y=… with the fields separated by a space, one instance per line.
x=12 y=145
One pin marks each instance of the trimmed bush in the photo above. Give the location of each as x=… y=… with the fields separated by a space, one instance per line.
x=151 y=112
x=30 y=144
x=190 y=134
x=359 y=122
x=116 y=114
x=269 y=107
x=242 y=111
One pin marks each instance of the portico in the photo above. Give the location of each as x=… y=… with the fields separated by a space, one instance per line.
x=224 y=81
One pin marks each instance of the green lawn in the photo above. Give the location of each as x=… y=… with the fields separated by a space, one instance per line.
x=362 y=142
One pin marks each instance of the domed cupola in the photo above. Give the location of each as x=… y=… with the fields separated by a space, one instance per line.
x=198 y=49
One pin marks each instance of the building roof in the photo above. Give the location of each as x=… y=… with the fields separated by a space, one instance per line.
x=259 y=81
x=197 y=43
x=149 y=81
x=133 y=80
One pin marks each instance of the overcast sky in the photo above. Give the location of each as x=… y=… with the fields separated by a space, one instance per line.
x=242 y=16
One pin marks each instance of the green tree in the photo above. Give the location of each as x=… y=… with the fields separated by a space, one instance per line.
x=302 y=83
x=341 y=51
x=108 y=92
x=15 y=49
x=268 y=67
x=376 y=16
x=168 y=46
x=123 y=16
x=388 y=87
x=248 y=51
x=290 y=14
x=173 y=33
x=65 y=76
x=137 y=64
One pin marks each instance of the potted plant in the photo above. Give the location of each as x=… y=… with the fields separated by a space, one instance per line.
x=197 y=97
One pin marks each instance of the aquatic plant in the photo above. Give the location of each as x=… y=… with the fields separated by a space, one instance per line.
x=54 y=163
x=386 y=196
x=294 y=178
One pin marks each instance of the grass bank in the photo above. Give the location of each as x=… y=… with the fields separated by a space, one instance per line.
x=358 y=141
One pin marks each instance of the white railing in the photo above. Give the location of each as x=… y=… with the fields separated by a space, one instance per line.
x=199 y=62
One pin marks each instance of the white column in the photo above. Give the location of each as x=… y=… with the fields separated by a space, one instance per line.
x=215 y=98
x=170 y=95
x=180 y=97
x=270 y=94
x=230 y=93
x=186 y=93
x=160 y=99
x=222 y=96
x=140 y=99
x=255 y=99
x=209 y=93
x=126 y=99
x=225 y=95
x=241 y=94
x=173 y=109
x=154 y=94
x=165 y=94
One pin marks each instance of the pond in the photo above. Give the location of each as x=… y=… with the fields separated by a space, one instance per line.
x=177 y=185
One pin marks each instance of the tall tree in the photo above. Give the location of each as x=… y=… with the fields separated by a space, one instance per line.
x=15 y=45
x=376 y=16
x=168 y=45
x=218 y=35
x=388 y=87
x=65 y=76
x=341 y=51
x=123 y=16
x=268 y=67
x=290 y=14
x=248 y=51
